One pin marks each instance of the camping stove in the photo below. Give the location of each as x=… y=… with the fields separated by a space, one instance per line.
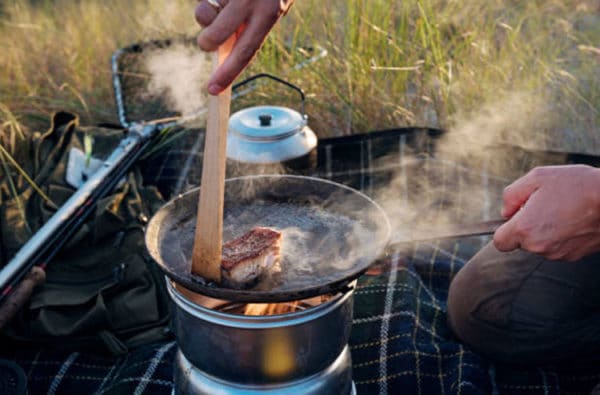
x=222 y=351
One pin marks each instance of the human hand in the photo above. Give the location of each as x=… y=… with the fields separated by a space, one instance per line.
x=249 y=20
x=554 y=211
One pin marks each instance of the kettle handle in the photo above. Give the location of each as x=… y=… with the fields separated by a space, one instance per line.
x=277 y=79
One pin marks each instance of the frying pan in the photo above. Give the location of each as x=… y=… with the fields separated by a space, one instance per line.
x=331 y=235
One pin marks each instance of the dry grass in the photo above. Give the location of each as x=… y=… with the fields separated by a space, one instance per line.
x=428 y=62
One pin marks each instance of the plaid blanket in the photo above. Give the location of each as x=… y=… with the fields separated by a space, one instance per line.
x=400 y=341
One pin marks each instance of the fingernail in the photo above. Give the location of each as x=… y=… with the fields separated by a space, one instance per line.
x=214 y=89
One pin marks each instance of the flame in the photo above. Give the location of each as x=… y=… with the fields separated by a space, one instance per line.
x=270 y=308
x=283 y=308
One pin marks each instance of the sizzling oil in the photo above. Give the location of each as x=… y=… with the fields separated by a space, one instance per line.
x=318 y=247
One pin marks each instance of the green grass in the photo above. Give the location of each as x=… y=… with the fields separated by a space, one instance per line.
x=431 y=62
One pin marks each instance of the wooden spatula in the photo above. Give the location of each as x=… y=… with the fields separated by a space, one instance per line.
x=206 y=255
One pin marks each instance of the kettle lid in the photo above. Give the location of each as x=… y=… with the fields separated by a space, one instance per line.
x=266 y=123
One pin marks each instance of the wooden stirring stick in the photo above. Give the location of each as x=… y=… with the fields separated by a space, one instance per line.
x=206 y=255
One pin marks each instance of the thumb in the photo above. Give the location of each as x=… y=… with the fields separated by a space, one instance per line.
x=505 y=238
x=516 y=194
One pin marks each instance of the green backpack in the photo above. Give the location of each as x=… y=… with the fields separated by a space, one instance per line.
x=102 y=291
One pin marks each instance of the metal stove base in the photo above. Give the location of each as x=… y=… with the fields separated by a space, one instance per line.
x=335 y=380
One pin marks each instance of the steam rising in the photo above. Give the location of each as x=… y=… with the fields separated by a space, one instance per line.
x=521 y=118
x=431 y=194
x=316 y=243
x=179 y=73
x=462 y=182
x=545 y=120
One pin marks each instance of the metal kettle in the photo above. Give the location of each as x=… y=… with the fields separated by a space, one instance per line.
x=269 y=134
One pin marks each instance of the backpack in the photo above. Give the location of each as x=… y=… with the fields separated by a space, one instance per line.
x=102 y=291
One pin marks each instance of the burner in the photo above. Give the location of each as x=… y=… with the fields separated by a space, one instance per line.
x=221 y=350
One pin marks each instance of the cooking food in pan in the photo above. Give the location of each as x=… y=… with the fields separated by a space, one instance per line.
x=330 y=234
x=249 y=258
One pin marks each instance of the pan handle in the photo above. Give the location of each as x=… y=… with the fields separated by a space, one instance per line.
x=455 y=231
x=277 y=79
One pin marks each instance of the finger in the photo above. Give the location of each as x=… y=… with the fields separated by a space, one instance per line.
x=205 y=13
x=223 y=26
x=506 y=238
x=244 y=50
x=516 y=194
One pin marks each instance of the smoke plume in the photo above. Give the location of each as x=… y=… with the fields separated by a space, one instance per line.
x=178 y=74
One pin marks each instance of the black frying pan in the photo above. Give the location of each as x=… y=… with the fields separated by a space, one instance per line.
x=331 y=235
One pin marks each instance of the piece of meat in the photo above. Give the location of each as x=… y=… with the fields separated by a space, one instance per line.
x=249 y=257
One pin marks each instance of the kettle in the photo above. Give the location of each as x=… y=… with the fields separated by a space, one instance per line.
x=269 y=134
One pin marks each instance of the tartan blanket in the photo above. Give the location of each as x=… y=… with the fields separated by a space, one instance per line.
x=400 y=341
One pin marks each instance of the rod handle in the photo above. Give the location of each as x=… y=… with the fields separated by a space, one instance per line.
x=21 y=294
